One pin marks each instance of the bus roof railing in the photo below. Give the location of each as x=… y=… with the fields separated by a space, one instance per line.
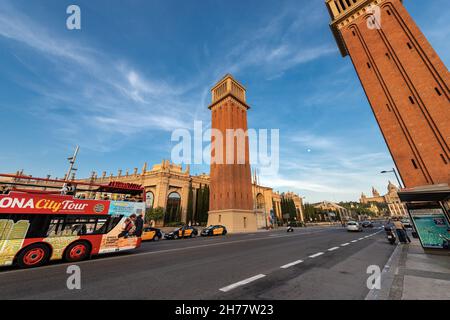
x=111 y=187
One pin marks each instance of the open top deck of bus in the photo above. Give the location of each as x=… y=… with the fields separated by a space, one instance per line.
x=30 y=184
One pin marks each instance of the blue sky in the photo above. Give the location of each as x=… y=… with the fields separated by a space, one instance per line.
x=137 y=71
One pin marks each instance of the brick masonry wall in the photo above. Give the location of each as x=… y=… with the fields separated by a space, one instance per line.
x=407 y=86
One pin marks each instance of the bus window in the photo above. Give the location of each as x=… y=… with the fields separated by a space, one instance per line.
x=78 y=226
x=113 y=222
x=33 y=225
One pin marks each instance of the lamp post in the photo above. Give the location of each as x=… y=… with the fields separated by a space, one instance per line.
x=396 y=176
x=71 y=170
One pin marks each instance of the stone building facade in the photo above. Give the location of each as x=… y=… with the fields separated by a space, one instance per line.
x=394 y=205
x=166 y=181
x=328 y=206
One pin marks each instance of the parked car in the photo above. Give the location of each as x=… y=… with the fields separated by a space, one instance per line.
x=182 y=232
x=216 y=230
x=367 y=224
x=151 y=234
x=354 y=226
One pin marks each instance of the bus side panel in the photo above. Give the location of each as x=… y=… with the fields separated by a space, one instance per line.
x=59 y=244
x=115 y=241
x=118 y=239
x=95 y=241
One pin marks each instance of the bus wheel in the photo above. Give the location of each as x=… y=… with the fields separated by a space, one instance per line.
x=33 y=256
x=77 y=251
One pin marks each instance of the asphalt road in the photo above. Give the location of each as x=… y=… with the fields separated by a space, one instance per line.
x=311 y=263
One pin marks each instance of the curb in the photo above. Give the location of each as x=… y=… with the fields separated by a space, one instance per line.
x=387 y=276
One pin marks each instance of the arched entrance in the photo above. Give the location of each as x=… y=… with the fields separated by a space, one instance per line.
x=260 y=203
x=149 y=199
x=173 y=208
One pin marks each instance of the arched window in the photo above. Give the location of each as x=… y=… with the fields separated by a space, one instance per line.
x=173 y=208
x=149 y=199
x=260 y=203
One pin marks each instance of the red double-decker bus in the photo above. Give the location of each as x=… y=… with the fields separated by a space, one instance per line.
x=42 y=220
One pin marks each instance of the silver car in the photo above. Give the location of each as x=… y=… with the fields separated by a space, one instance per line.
x=354 y=226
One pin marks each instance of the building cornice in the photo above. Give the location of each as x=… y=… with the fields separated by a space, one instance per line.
x=343 y=16
x=227 y=96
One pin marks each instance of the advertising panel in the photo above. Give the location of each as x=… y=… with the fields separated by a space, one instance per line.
x=431 y=225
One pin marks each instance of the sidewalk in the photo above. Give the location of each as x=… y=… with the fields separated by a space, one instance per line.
x=411 y=274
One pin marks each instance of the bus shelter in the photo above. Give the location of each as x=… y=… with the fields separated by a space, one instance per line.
x=429 y=210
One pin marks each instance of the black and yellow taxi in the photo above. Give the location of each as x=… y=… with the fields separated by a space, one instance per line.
x=216 y=230
x=182 y=232
x=151 y=234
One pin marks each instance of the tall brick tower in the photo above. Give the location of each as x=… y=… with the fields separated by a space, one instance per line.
x=231 y=200
x=405 y=81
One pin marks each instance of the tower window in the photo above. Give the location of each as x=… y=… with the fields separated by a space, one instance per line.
x=368 y=65
x=443 y=159
x=414 y=164
x=339 y=9
x=409 y=45
x=388 y=12
x=388 y=107
x=388 y=56
x=437 y=91
x=354 y=34
x=411 y=99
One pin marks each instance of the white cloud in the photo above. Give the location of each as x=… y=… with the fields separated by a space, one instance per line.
x=105 y=97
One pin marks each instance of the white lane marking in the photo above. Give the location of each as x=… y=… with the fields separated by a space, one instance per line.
x=291 y=264
x=353 y=241
x=133 y=255
x=345 y=244
x=241 y=283
x=361 y=239
x=276 y=235
x=334 y=248
x=316 y=255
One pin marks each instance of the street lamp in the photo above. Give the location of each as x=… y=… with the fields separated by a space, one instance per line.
x=396 y=176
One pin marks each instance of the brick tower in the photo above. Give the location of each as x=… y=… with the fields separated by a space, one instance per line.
x=231 y=200
x=405 y=81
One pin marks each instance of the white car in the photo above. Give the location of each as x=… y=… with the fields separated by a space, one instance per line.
x=354 y=226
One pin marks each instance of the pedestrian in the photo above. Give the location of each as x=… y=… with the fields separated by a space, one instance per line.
x=139 y=223
x=401 y=232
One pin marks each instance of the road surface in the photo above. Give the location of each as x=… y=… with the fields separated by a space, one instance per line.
x=311 y=263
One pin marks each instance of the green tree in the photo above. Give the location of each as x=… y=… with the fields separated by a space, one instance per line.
x=292 y=209
x=204 y=201
x=199 y=204
x=155 y=214
x=206 y=207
